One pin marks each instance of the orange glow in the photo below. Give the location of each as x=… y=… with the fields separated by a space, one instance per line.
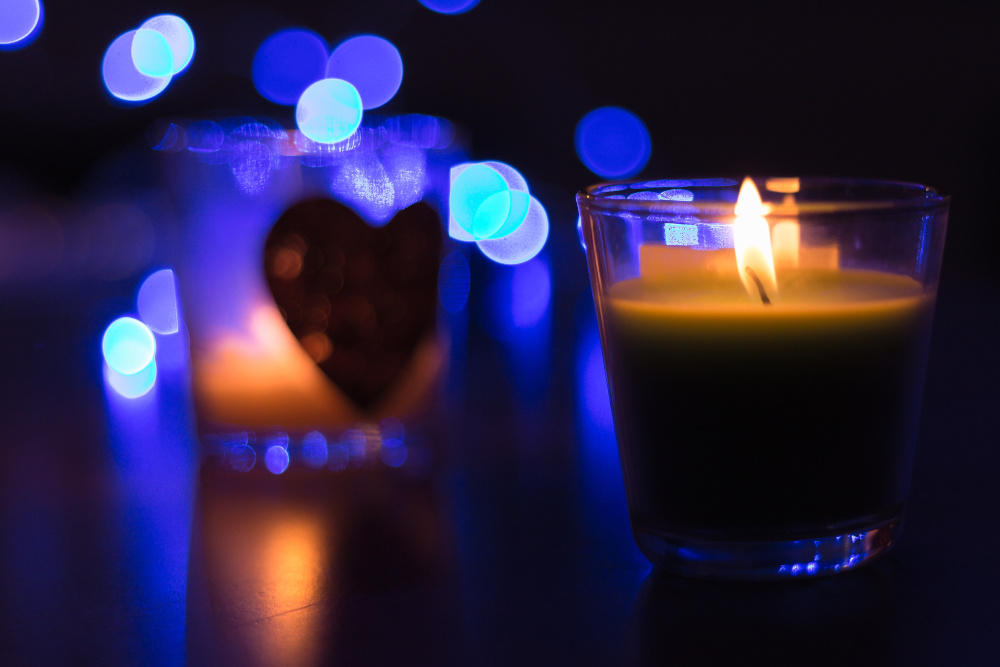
x=788 y=186
x=785 y=243
x=752 y=240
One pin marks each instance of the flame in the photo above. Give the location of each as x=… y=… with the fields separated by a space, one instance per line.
x=752 y=240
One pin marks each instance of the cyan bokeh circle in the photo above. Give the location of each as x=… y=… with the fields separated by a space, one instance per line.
x=329 y=111
x=151 y=53
x=178 y=34
x=128 y=345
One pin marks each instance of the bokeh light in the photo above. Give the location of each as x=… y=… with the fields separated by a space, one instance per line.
x=391 y=428
x=205 y=136
x=287 y=63
x=474 y=186
x=524 y=242
x=613 y=142
x=128 y=345
x=276 y=459
x=449 y=6
x=329 y=111
x=453 y=282
x=392 y=453
x=487 y=200
x=157 y=302
x=314 y=449
x=338 y=457
x=132 y=385
x=177 y=33
x=151 y=53
x=20 y=23
x=121 y=76
x=241 y=458
x=372 y=65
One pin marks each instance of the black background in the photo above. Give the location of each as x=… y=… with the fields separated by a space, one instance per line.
x=903 y=91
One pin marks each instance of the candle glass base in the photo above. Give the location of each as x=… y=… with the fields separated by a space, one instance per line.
x=762 y=560
x=765 y=436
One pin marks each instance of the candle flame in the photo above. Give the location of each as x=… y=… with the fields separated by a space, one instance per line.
x=752 y=240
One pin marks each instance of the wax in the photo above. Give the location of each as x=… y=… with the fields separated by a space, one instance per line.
x=745 y=420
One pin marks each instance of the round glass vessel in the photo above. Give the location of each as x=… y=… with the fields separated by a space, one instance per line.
x=765 y=396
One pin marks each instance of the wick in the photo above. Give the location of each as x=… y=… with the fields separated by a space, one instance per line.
x=760 y=287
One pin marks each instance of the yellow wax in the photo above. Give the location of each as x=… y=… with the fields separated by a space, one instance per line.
x=735 y=415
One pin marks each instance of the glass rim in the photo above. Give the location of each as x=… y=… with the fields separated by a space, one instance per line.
x=899 y=196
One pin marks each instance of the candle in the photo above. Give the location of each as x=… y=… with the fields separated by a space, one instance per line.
x=748 y=419
x=766 y=396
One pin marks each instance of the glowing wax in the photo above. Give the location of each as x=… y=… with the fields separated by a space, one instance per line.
x=734 y=416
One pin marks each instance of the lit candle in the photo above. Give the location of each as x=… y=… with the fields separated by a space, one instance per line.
x=756 y=403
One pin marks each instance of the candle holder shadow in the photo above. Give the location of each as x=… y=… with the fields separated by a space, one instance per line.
x=765 y=438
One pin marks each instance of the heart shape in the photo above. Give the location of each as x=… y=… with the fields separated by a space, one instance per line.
x=359 y=299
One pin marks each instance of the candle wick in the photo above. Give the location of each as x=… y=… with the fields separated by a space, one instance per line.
x=760 y=287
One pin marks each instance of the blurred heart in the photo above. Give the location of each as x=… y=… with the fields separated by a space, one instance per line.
x=358 y=299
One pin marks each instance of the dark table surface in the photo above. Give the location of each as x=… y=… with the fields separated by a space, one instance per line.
x=503 y=539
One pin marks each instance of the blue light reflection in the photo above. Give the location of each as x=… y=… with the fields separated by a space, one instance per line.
x=157 y=302
x=364 y=184
x=519 y=315
x=251 y=166
x=530 y=291
x=453 y=282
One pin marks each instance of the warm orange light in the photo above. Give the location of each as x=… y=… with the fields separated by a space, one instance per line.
x=752 y=240
x=785 y=243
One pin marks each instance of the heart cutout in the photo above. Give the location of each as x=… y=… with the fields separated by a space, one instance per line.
x=359 y=299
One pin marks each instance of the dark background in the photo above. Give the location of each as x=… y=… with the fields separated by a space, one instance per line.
x=903 y=91
x=531 y=560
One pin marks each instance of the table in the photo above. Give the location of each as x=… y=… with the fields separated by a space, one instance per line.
x=505 y=542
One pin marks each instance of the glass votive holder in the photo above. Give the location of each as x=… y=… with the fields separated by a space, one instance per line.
x=766 y=363
x=309 y=275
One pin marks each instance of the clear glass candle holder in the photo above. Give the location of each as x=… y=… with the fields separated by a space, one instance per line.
x=765 y=428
